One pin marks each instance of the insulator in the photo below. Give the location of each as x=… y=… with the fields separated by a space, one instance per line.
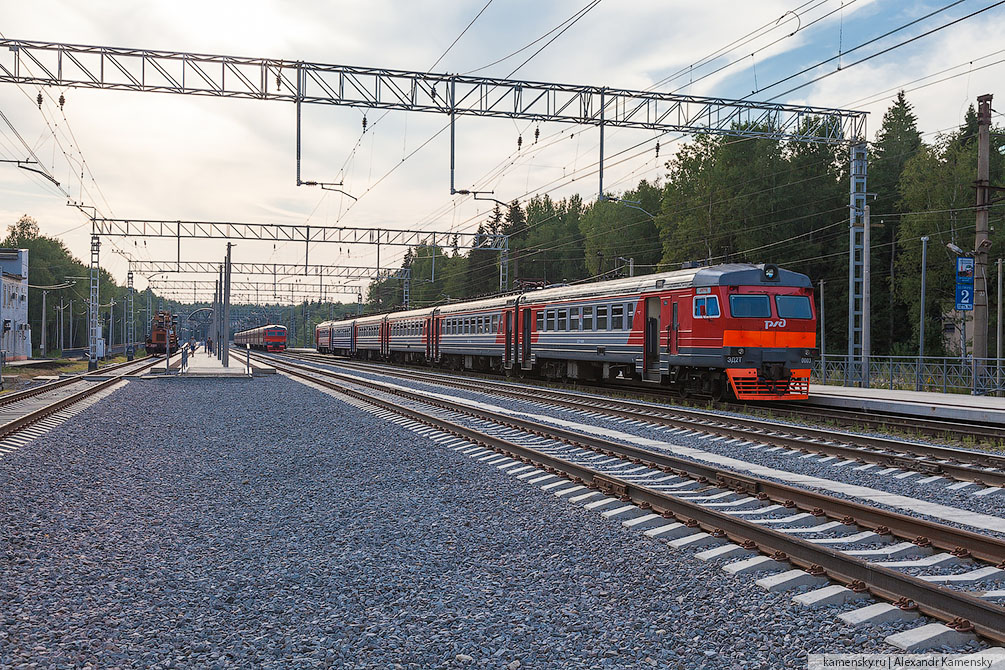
x=519 y=142
x=39 y=99
x=364 y=123
x=537 y=134
x=657 y=150
x=62 y=101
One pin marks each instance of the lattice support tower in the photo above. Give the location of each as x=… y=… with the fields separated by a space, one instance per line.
x=857 y=326
x=93 y=324
x=131 y=337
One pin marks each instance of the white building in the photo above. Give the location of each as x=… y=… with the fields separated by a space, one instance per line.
x=15 y=339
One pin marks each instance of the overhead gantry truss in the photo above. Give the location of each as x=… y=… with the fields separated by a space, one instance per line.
x=299 y=82
x=351 y=272
x=266 y=288
x=304 y=233
x=84 y=66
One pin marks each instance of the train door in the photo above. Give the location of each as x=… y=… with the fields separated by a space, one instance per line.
x=427 y=330
x=437 y=322
x=352 y=338
x=508 y=329
x=651 y=350
x=672 y=329
x=525 y=335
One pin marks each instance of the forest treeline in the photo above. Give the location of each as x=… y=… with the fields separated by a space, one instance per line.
x=731 y=199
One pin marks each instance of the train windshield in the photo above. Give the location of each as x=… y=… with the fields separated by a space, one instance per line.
x=274 y=333
x=793 y=307
x=750 y=306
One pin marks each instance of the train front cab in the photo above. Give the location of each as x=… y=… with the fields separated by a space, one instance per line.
x=743 y=331
x=769 y=336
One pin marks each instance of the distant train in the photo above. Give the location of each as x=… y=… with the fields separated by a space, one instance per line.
x=740 y=330
x=163 y=329
x=265 y=338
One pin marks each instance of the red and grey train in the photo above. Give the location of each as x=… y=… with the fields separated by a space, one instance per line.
x=737 y=329
x=264 y=338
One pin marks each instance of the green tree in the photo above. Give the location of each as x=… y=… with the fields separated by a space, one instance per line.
x=897 y=141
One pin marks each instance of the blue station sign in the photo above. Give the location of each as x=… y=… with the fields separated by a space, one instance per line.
x=964 y=283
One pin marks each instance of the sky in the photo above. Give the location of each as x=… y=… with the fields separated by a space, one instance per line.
x=163 y=156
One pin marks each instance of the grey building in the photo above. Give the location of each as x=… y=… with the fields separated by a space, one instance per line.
x=15 y=335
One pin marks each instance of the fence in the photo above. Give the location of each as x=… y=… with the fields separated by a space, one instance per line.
x=981 y=376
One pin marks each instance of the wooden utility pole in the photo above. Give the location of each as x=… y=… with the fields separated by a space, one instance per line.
x=981 y=242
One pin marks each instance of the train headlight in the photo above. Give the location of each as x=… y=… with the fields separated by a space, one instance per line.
x=740 y=351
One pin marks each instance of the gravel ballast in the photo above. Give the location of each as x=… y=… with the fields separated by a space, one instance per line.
x=297 y=531
x=781 y=460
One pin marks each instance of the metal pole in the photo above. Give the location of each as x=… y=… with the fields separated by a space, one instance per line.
x=61 y=326
x=921 y=328
x=601 y=196
x=71 y=323
x=219 y=303
x=226 y=311
x=866 y=297
x=111 y=327
x=42 y=348
x=823 y=336
x=999 y=338
x=981 y=242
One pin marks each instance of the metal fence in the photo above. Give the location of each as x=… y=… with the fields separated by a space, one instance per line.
x=981 y=376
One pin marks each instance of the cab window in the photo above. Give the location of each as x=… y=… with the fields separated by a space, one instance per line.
x=706 y=307
x=793 y=307
x=750 y=306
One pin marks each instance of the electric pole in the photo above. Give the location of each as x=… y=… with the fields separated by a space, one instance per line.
x=44 y=293
x=981 y=242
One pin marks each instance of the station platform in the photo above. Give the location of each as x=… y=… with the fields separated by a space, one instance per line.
x=914 y=403
x=202 y=364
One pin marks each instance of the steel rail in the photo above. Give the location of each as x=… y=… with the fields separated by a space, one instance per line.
x=905 y=422
x=960 y=609
x=17 y=396
x=970 y=468
x=30 y=418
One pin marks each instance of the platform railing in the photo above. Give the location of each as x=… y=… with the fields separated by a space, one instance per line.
x=980 y=376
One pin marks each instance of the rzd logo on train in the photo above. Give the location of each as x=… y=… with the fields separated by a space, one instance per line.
x=775 y=324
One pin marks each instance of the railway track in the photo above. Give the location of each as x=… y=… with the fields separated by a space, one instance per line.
x=954 y=431
x=767 y=525
x=977 y=433
x=979 y=467
x=22 y=411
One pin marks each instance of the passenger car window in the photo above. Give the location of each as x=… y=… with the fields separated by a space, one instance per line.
x=588 y=318
x=617 y=317
x=602 y=317
x=574 y=318
x=750 y=306
x=540 y=321
x=629 y=316
x=562 y=319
